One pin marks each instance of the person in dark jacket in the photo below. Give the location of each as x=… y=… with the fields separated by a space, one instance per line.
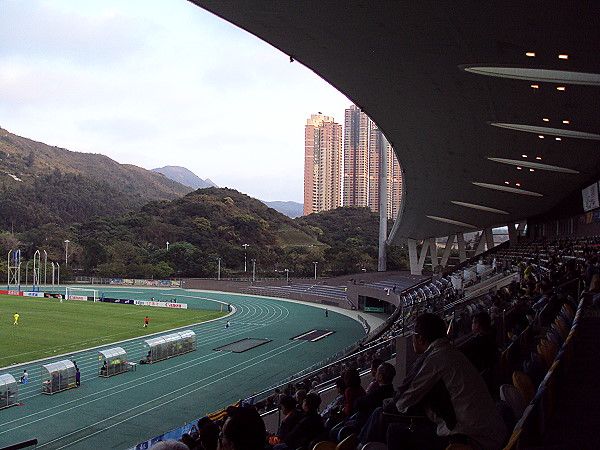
x=308 y=428
x=291 y=417
x=482 y=349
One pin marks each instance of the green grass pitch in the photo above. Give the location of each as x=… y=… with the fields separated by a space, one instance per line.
x=48 y=327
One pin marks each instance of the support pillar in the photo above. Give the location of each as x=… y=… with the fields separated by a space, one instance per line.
x=514 y=229
x=462 y=247
x=447 y=250
x=418 y=261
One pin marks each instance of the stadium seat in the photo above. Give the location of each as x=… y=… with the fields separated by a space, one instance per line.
x=512 y=396
x=548 y=350
x=523 y=383
x=348 y=443
x=374 y=446
x=324 y=445
x=514 y=440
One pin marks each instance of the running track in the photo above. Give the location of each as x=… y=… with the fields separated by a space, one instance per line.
x=119 y=411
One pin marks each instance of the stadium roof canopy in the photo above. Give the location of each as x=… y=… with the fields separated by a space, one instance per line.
x=492 y=107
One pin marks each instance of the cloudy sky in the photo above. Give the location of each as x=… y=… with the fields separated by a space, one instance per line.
x=156 y=83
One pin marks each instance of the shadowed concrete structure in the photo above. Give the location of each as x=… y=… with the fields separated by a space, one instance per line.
x=491 y=107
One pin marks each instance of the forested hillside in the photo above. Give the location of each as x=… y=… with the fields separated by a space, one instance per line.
x=41 y=184
x=124 y=221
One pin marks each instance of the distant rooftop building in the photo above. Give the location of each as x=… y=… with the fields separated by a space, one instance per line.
x=322 y=164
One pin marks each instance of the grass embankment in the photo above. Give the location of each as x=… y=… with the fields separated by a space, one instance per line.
x=48 y=327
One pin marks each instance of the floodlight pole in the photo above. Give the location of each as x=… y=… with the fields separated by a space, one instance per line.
x=315 y=263
x=245 y=257
x=219 y=270
x=45 y=266
x=287 y=275
x=253 y=270
x=67 y=252
x=168 y=245
x=36 y=270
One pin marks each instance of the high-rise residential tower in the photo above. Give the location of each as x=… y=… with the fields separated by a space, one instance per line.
x=322 y=164
x=363 y=142
x=357 y=131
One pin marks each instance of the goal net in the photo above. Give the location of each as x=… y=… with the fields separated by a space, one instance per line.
x=73 y=293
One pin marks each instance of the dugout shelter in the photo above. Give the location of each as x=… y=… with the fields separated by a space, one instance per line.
x=8 y=391
x=112 y=361
x=163 y=347
x=58 y=376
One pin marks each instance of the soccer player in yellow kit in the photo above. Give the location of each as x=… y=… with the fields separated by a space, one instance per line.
x=16 y=316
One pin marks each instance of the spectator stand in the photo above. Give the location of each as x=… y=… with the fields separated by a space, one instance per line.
x=8 y=391
x=163 y=347
x=58 y=376
x=112 y=361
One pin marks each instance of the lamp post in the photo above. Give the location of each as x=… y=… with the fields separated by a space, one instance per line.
x=45 y=264
x=287 y=275
x=315 y=263
x=167 y=245
x=67 y=252
x=245 y=257
x=253 y=270
x=219 y=269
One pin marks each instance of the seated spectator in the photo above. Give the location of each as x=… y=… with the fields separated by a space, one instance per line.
x=482 y=349
x=308 y=428
x=332 y=412
x=299 y=396
x=209 y=436
x=243 y=429
x=170 y=444
x=374 y=365
x=384 y=377
x=366 y=405
x=451 y=393
x=354 y=390
x=291 y=417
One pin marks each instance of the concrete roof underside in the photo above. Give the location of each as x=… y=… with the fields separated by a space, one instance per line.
x=403 y=63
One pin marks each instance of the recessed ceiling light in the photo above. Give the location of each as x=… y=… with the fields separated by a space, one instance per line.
x=452 y=221
x=503 y=188
x=566 y=122
x=507 y=182
x=563 y=56
x=530 y=54
x=517 y=184
x=531 y=170
x=541 y=136
x=535 y=86
x=550 y=131
x=560 y=88
x=534 y=75
x=519 y=168
x=479 y=207
x=558 y=139
x=524 y=156
x=546 y=120
x=538 y=157
x=523 y=164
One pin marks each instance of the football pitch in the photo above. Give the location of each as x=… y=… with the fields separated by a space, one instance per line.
x=132 y=407
x=48 y=327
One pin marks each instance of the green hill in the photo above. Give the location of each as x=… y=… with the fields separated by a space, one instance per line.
x=41 y=184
